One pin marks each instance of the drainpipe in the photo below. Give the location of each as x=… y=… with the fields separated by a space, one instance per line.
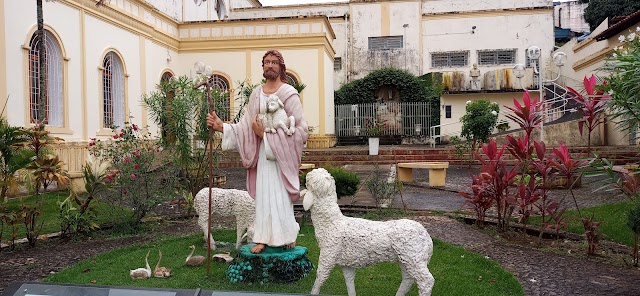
x=346 y=47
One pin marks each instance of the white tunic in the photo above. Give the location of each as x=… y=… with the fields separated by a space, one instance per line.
x=275 y=222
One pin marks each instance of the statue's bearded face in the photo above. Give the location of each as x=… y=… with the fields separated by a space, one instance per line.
x=271 y=67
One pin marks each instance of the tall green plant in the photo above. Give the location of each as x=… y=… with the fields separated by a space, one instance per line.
x=181 y=111
x=13 y=157
x=45 y=169
x=299 y=86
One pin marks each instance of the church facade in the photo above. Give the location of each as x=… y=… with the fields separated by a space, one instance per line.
x=100 y=60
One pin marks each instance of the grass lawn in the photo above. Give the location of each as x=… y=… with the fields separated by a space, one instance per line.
x=51 y=213
x=457 y=272
x=612 y=218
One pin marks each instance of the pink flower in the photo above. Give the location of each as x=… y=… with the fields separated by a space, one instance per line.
x=133 y=176
x=135 y=127
x=115 y=136
x=136 y=166
x=127 y=160
x=108 y=177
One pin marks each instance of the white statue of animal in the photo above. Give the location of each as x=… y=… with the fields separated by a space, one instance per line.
x=142 y=272
x=193 y=260
x=226 y=203
x=355 y=243
x=275 y=117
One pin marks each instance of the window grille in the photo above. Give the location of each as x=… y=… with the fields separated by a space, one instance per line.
x=496 y=57
x=449 y=59
x=222 y=85
x=113 y=91
x=529 y=62
x=386 y=42
x=337 y=64
x=166 y=76
x=53 y=80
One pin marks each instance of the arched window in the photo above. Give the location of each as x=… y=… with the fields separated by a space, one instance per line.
x=291 y=79
x=167 y=135
x=166 y=76
x=221 y=84
x=113 y=91
x=53 y=79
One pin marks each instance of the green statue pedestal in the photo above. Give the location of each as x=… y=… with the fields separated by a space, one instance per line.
x=274 y=264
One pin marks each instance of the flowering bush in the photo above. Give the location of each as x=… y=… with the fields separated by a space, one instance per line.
x=138 y=176
x=374 y=126
x=623 y=81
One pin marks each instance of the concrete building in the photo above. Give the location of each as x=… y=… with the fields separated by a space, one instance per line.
x=446 y=36
x=588 y=57
x=100 y=60
x=569 y=14
x=121 y=50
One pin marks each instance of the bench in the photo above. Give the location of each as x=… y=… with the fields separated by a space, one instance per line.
x=306 y=167
x=437 y=172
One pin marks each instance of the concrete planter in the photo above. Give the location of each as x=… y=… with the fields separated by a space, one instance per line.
x=374 y=146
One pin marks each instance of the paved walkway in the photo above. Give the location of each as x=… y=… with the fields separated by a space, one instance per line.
x=539 y=273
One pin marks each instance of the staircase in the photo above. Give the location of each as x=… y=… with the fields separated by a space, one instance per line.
x=359 y=155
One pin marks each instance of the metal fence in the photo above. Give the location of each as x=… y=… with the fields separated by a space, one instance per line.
x=401 y=119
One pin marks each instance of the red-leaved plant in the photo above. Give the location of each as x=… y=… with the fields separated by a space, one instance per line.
x=592 y=106
x=569 y=168
x=528 y=115
x=493 y=186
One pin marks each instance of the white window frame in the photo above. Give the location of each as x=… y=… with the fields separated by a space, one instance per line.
x=54 y=80
x=113 y=86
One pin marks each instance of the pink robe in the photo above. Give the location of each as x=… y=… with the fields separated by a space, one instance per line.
x=287 y=149
x=275 y=222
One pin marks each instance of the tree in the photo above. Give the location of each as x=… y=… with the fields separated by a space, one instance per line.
x=479 y=121
x=599 y=10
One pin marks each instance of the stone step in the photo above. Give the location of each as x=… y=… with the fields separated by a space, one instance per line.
x=339 y=156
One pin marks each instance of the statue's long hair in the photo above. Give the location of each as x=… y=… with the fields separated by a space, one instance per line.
x=283 y=67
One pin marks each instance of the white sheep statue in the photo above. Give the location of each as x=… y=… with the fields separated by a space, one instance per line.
x=275 y=117
x=226 y=203
x=355 y=243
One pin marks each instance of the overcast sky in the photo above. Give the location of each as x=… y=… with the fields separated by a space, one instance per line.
x=290 y=2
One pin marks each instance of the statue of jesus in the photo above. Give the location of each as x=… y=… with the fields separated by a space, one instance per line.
x=272 y=160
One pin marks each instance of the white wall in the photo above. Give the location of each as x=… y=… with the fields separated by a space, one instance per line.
x=570 y=15
x=329 y=10
x=457 y=6
x=329 y=120
x=172 y=8
x=517 y=31
x=127 y=45
x=155 y=65
x=18 y=28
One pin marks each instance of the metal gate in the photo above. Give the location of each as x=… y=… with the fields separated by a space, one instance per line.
x=401 y=119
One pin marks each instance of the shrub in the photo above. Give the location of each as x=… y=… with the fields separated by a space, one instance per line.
x=479 y=121
x=347 y=183
x=141 y=179
x=380 y=188
x=411 y=88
